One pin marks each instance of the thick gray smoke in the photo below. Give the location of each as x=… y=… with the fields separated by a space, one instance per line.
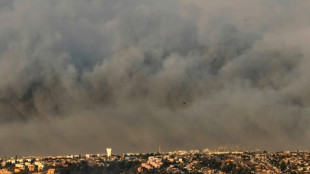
x=78 y=76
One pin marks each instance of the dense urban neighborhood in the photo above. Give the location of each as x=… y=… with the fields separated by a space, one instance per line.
x=193 y=161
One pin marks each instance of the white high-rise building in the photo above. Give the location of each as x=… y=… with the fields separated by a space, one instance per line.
x=109 y=152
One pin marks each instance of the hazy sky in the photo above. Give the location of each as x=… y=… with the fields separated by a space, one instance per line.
x=78 y=76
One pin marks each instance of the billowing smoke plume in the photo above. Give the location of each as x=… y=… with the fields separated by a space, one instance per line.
x=78 y=76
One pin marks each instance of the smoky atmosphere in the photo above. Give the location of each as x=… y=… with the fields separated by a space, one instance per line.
x=78 y=76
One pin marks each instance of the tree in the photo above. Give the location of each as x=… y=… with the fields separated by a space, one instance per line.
x=282 y=166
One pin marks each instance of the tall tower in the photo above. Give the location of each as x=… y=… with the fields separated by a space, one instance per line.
x=109 y=152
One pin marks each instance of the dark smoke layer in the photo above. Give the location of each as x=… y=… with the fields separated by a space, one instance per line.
x=78 y=76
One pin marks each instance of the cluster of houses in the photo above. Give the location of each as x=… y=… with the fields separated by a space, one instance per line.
x=193 y=161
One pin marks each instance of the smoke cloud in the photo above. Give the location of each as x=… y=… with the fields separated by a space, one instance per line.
x=78 y=76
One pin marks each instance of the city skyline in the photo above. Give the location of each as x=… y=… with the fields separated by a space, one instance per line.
x=193 y=161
